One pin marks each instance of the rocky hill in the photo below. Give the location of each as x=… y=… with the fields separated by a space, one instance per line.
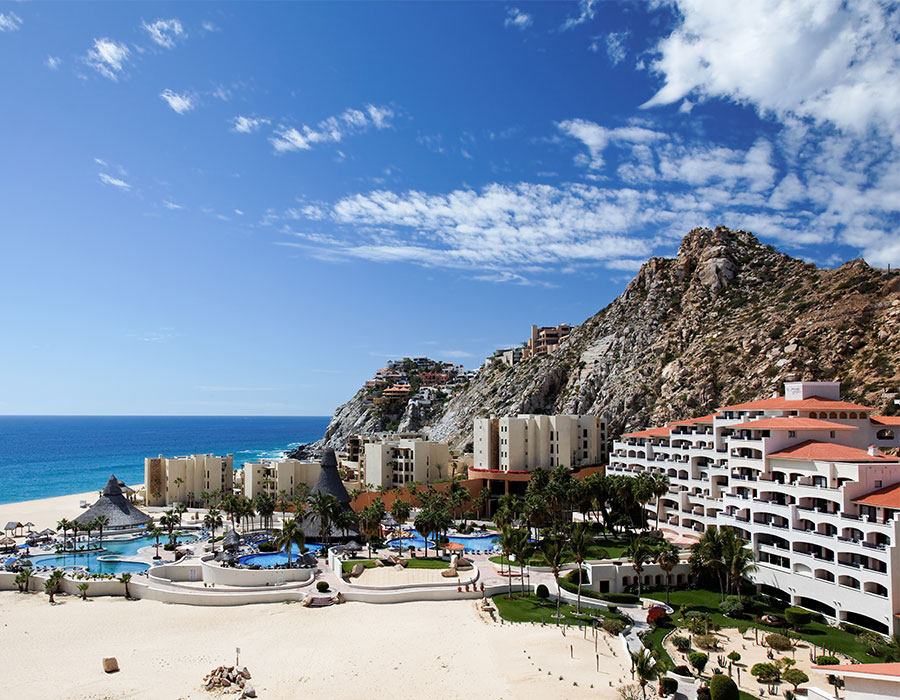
x=728 y=320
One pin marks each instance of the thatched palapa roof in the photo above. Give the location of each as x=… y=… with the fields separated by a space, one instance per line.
x=113 y=504
x=329 y=482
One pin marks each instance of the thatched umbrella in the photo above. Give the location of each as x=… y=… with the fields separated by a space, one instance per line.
x=29 y=526
x=226 y=557
x=352 y=546
x=231 y=540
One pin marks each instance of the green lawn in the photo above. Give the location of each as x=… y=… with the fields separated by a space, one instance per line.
x=817 y=633
x=609 y=549
x=347 y=566
x=530 y=608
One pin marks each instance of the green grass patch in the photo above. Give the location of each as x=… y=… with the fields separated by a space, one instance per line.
x=530 y=608
x=427 y=564
x=347 y=566
x=818 y=633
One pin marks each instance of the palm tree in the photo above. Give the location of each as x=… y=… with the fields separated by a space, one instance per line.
x=156 y=532
x=644 y=667
x=710 y=552
x=178 y=481
x=484 y=498
x=282 y=501
x=211 y=520
x=425 y=523
x=740 y=561
x=126 y=579
x=579 y=543
x=639 y=552
x=508 y=543
x=169 y=521
x=64 y=524
x=289 y=535
x=369 y=522
x=659 y=487
x=231 y=506
x=667 y=556
x=265 y=506
x=100 y=522
x=324 y=506
x=345 y=518
x=400 y=511
x=51 y=585
x=524 y=551
x=83 y=589
x=553 y=547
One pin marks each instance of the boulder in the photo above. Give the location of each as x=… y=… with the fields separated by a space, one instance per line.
x=249 y=692
x=110 y=664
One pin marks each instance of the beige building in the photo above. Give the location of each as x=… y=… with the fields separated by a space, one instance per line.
x=393 y=461
x=526 y=442
x=170 y=480
x=547 y=338
x=273 y=476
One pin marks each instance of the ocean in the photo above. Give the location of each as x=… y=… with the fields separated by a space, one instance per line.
x=44 y=456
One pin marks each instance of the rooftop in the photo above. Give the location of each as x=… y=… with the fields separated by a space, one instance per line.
x=828 y=451
x=792 y=423
x=651 y=432
x=886 y=420
x=886 y=671
x=813 y=403
x=886 y=497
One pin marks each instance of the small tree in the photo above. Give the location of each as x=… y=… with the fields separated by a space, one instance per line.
x=764 y=672
x=721 y=687
x=734 y=657
x=827 y=660
x=779 y=642
x=795 y=677
x=126 y=579
x=83 y=589
x=667 y=686
x=698 y=661
x=732 y=606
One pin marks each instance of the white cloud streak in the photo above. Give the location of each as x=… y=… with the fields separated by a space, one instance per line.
x=331 y=130
x=53 y=62
x=164 y=32
x=179 y=102
x=587 y=10
x=247 y=125
x=517 y=19
x=114 y=181
x=10 y=22
x=108 y=57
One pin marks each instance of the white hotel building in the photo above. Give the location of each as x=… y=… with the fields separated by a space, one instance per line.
x=802 y=479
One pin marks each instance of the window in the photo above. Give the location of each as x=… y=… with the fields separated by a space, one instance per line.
x=831 y=433
x=792 y=433
x=878 y=483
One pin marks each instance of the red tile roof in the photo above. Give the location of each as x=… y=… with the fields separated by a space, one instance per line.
x=885 y=420
x=892 y=669
x=651 y=432
x=828 y=451
x=813 y=403
x=886 y=497
x=693 y=421
x=792 y=423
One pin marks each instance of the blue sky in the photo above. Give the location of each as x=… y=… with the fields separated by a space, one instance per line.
x=247 y=209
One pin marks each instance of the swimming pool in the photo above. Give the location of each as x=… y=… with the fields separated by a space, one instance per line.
x=105 y=561
x=471 y=543
x=270 y=559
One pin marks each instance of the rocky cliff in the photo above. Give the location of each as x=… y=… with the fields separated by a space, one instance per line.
x=728 y=320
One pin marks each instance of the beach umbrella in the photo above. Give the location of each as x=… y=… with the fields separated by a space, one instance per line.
x=25 y=564
x=6 y=540
x=231 y=540
x=47 y=532
x=454 y=546
x=29 y=526
x=352 y=546
x=389 y=521
x=225 y=557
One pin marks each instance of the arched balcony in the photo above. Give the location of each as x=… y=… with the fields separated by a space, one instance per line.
x=849 y=582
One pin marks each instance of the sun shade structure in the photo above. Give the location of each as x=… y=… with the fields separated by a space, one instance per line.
x=455 y=546
x=112 y=503
x=13 y=525
x=329 y=482
x=231 y=540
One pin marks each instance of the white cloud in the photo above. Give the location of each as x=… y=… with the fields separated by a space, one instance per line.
x=10 y=22
x=518 y=19
x=587 y=10
x=597 y=138
x=114 y=181
x=164 y=31
x=247 y=125
x=180 y=102
x=826 y=60
x=615 y=47
x=238 y=212
x=331 y=130
x=171 y=205
x=209 y=27
x=108 y=57
x=53 y=62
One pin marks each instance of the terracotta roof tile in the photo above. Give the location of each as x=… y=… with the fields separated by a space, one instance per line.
x=651 y=432
x=886 y=497
x=828 y=451
x=813 y=403
x=792 y=423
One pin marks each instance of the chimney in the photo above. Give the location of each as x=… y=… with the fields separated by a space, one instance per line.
x=873 y=451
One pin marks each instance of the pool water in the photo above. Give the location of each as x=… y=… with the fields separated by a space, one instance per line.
x=270 y=559
x=111 y=548
x=471 y=544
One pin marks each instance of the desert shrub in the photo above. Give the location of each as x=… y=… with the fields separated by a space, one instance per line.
x=698 y=622
x=575 y=574
x=682 y=670
x=794 y=676
x=266 y=547
x=681 y=643
x=698 y=660
x=852 y=629
x=827 y=660
x=732 y=606
x=779 y=642
x=621 y=598
x=706 y=641
x=798 y=617
x=703 y=693
x=734 y=657
x=322 y=586
x=764 y=672
x=721 y=687
x=667 y=686
x=684 y=610
x=542 y=592
x=613 y=626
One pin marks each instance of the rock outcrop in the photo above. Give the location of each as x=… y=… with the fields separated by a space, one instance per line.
x=729 y=319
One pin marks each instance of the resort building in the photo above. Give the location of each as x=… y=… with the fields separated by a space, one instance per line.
x=274 y=476
x=393 y=461
x=802 y=479
x=526 y=442
x=170 y=480
x=547 y=338
x=863 y=681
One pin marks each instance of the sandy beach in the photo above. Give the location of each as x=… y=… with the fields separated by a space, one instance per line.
x=46 y=512
x=440 y=650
